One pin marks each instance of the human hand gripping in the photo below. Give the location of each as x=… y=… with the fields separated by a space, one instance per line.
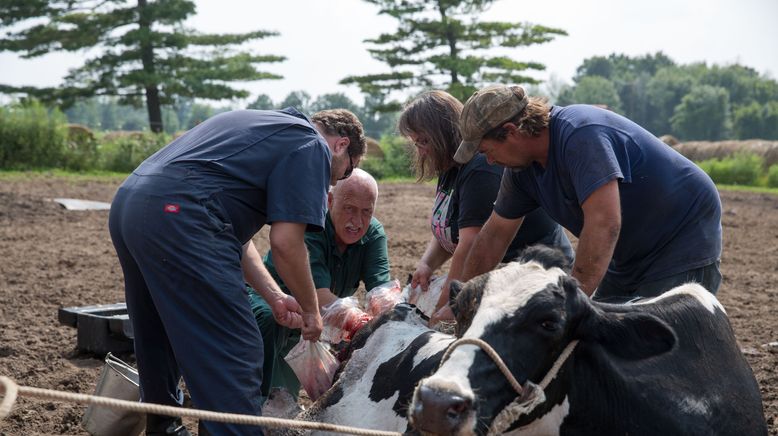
x=312 y=325
x=287 y=311
x=421 y=277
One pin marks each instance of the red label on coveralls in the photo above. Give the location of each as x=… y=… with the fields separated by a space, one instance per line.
x=172 y=208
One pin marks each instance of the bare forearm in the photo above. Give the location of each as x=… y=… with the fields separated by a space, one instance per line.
x=290 y=257
x=480 y=259
x=434 y=256
x=467 y=236
x=602 y=224
x=594 y=253
x=292 y=265
x=256 y=275
x=490 y=245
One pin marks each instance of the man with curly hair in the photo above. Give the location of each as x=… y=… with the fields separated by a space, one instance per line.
x=647 y=218
x=182 y=225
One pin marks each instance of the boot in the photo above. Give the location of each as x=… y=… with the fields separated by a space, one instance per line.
x=161 y=425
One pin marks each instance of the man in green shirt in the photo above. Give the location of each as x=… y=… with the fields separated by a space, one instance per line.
x=352 y=248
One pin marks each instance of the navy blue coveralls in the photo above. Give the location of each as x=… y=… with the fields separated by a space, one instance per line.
x=178 y=224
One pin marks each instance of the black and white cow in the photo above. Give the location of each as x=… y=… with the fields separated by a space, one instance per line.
x=665 y=366
x=385 y=361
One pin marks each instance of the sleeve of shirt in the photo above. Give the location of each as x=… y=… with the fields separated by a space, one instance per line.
x=477 y=192
x=590 y=160
x=376 y=269
x=297 y=186
x=512 y=201
x=317 y=256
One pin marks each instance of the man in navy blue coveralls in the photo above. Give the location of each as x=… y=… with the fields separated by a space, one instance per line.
x=647 y=219
x=182 y=225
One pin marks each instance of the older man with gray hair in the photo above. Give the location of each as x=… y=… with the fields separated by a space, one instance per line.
x=351 y=249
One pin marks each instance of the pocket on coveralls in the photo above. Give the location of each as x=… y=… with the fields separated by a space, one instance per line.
x=217 y=216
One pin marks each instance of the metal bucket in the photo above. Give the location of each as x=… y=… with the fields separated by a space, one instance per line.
x=117 y=380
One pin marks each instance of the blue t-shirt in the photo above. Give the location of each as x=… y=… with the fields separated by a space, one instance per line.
x=465 y=198
x=671 y=211
x=258 y=166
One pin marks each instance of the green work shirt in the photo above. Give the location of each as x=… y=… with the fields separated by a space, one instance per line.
x=367 y=260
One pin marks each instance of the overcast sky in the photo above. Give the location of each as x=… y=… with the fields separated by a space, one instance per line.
x=323 y=39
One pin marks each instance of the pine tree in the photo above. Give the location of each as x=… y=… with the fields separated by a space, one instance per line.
x=441 y=44
x=144 y=52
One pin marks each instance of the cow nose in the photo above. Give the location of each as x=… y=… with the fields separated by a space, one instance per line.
x=440 y=412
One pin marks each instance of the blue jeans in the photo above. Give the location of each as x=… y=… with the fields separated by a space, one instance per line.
x=708 y=276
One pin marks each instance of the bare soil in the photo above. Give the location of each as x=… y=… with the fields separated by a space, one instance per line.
x=52 y=258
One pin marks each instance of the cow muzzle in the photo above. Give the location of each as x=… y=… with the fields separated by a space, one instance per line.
x=441 y=412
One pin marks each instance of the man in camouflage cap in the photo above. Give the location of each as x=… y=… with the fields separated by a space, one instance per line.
x=647 y=218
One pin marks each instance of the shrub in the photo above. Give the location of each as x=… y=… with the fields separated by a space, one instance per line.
x=772 y=176
x=31 y=136
x=740 y=169
x=81 y=149
x=124 y=151
x=395 y=163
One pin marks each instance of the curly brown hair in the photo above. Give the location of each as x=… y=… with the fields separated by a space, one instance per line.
x=433 y=115
x=343 y=123
x=530 y=121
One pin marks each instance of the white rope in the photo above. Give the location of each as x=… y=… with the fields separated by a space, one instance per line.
x=9 y=389
x=489 y=351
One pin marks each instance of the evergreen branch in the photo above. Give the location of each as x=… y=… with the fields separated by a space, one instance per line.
x=226 y=39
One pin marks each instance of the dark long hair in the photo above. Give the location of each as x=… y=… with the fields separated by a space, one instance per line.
x=435 y=116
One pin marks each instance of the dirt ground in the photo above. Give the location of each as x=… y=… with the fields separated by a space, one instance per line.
x=50 y=258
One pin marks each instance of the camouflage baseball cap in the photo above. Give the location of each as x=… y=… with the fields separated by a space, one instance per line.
x=486 y=109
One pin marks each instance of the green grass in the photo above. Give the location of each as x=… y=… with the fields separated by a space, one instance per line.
x=742 y=188
x=108 y=176
x=95 y=175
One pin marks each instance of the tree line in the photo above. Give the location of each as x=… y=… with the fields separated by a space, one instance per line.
x=690 y=102
x=108 y=113
x=145 y=56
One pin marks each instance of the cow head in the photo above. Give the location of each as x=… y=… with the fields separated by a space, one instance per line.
x=528 y=312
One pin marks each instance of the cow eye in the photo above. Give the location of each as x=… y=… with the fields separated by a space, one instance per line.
x=550 y=325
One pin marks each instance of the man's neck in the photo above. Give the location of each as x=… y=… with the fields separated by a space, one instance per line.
x=539 y=146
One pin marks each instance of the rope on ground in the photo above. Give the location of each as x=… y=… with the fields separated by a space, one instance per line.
x=10 y=390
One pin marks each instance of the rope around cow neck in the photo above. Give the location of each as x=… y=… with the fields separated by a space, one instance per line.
x=521 y=405
x=9 y=390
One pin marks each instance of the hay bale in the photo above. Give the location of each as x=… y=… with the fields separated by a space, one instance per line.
x=703 y=150
x=80 y=132
x=374 y=149
x=670 y=140
x=120 y=134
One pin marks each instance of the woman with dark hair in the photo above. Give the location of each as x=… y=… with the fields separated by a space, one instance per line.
x=464 y=195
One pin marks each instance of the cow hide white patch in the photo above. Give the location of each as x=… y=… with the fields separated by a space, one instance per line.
x=548 y=424
x=506 y=291
x=705 y=298
x=355 y=407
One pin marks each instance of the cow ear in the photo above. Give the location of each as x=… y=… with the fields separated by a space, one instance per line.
x=629 y=335
x=454 y=288
x=464 y=301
